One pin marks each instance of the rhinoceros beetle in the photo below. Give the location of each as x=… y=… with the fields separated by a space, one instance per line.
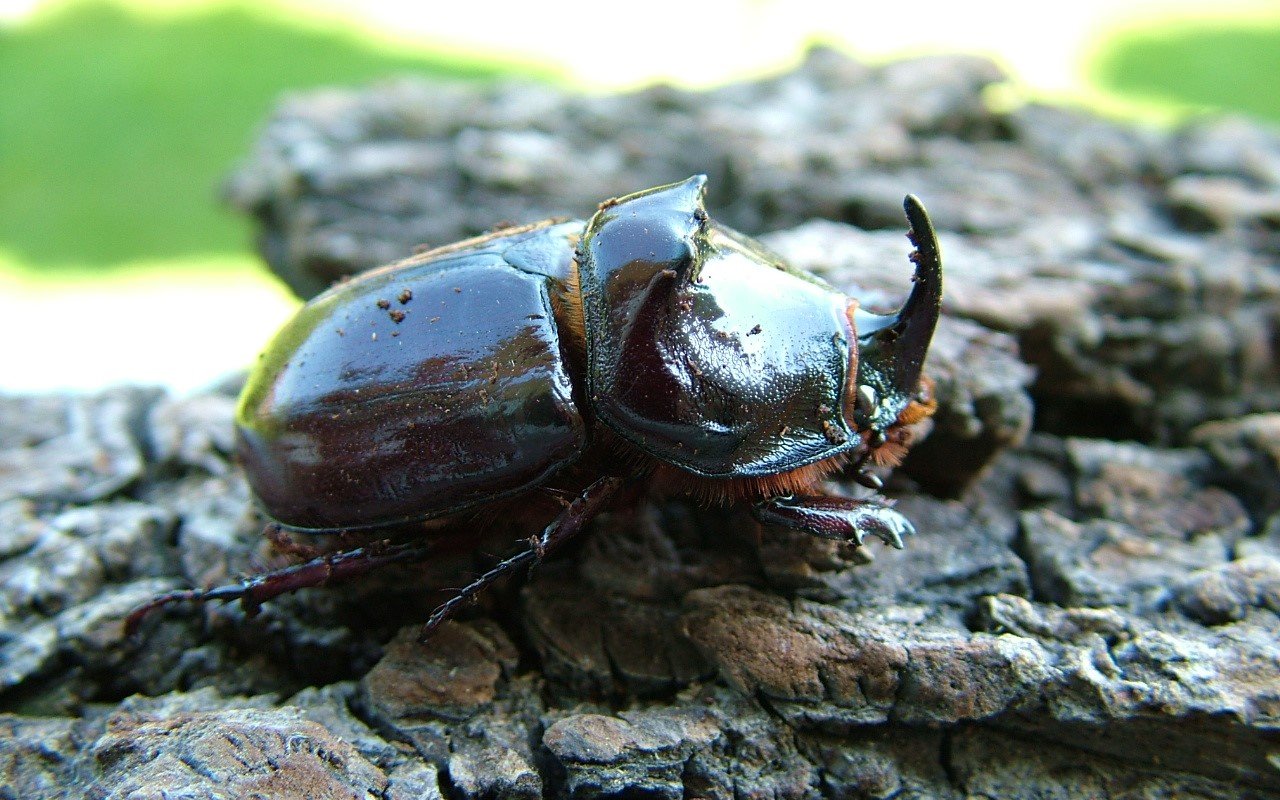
x=650 y=344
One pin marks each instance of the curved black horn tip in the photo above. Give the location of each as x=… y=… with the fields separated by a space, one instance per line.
x=927 y=255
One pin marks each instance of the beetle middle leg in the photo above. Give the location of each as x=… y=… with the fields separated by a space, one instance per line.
x=841 y=518
x=570 y=522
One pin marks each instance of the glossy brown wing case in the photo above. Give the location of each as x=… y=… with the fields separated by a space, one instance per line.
x=416 y=390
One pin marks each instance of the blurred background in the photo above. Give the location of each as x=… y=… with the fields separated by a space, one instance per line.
x=119 y=120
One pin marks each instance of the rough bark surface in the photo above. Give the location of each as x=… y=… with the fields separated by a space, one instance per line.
x=1090 y=608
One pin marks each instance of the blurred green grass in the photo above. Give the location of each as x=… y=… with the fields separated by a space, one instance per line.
x=1221 y=64
x=116 y=128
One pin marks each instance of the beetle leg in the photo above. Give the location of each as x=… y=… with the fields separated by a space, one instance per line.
x=255 y=590
x=860 y=474
x=571 y=521
x=558 y=495
x=283 y=543
x=840 y=518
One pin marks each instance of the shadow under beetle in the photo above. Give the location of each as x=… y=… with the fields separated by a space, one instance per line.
x=651 y=344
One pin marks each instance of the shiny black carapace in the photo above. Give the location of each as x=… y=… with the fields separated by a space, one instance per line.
x=650 y=344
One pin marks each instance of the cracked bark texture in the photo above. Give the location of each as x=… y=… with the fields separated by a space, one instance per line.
x=1090 y=608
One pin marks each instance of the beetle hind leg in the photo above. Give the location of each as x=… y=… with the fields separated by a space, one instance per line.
x=841 y=518
x=255 y=590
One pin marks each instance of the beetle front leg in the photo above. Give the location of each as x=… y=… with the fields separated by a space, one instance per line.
x=862 y=476
x=840 y=518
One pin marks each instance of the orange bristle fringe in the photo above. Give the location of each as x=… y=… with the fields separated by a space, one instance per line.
x=571 y=317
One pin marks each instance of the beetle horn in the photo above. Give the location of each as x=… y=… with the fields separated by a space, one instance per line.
x=892 y=347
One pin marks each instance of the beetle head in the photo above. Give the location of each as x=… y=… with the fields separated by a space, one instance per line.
x=892 y=347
